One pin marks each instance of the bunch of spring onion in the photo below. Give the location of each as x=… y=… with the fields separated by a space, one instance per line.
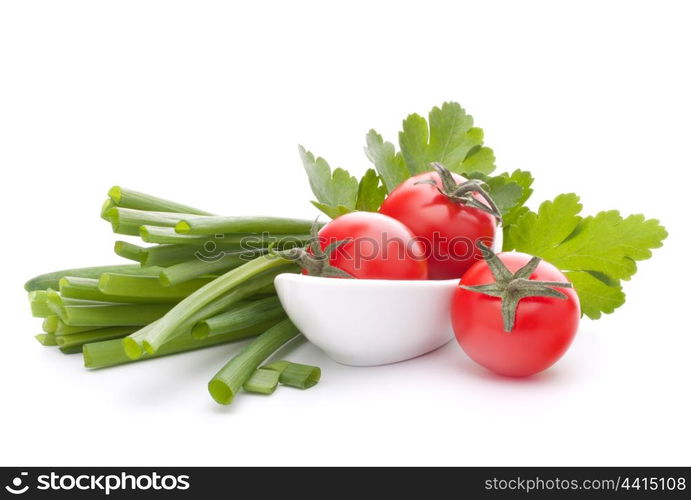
x=198 y=280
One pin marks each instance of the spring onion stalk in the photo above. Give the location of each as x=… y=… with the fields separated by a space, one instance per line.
x=81 y=288
x=244 y=313
x=169 y=255
x=187 y=308
x=46 y=339
x=128 y=198
x=167 y=235
x=113 y=314
x=262 y=382
x=112 y=352
x=277 y=366
x=221 y=224
x=39 y=304
x=127 y=221
x=146 y=287
x=249 y=288
x=105 y=208
x=88 y=289
x=63 y=329
x=300 y=376
x=57 y=303
x=129 y=251
x=99 y=335
x=52 y=280
x=195 y=267
x=71 y=350
x=50 y=323
x=229 y=380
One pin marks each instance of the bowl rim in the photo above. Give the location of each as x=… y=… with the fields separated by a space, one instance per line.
x=340 y=282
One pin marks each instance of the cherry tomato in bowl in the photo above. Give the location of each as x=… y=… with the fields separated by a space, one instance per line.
x=366 y=245
x=448 y=227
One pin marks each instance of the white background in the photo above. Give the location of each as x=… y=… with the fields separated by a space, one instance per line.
x=205 y=103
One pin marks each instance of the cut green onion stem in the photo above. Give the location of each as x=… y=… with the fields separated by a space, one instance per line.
x=277 y=366
x=88 y=289
x=168 y=235
x=113 y=314
x=39 y=304
x=52 y=280
x=146 y=287
x=187 y=308
x=128 y=198
x=229 y=380
x=242 y=314
x=50 y=323
x=112 y=353
x=262 y=381
x=300 y=376
x=222 y=224
x=169 y=255
x=101 y=334
x=107 y=205
x=129 y=251
x=46 y=339
x=182 y=323
x=195 y=267
x=57 y=303
x=71 y=350
x=63 y=329
x=127 y=221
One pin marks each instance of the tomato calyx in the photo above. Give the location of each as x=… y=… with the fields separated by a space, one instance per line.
x=315 y=261
x=462 y=193
x=512 y=287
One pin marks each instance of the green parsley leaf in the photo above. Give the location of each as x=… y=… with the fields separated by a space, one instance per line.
x=449 y=138
x=336 y=192
x=386 y=160
x=505 y=193
x=525 y=180
x=595 y=251
x=371 y=192
x=596 y=296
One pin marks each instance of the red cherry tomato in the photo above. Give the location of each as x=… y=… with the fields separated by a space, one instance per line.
x=448 y=230
x=379 y=248
x=543 y=330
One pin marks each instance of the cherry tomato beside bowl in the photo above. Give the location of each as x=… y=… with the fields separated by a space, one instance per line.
x=374 y=247
x=543 y=327
x=448 y=229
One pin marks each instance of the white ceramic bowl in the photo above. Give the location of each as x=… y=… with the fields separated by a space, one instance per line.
x=369 y=322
